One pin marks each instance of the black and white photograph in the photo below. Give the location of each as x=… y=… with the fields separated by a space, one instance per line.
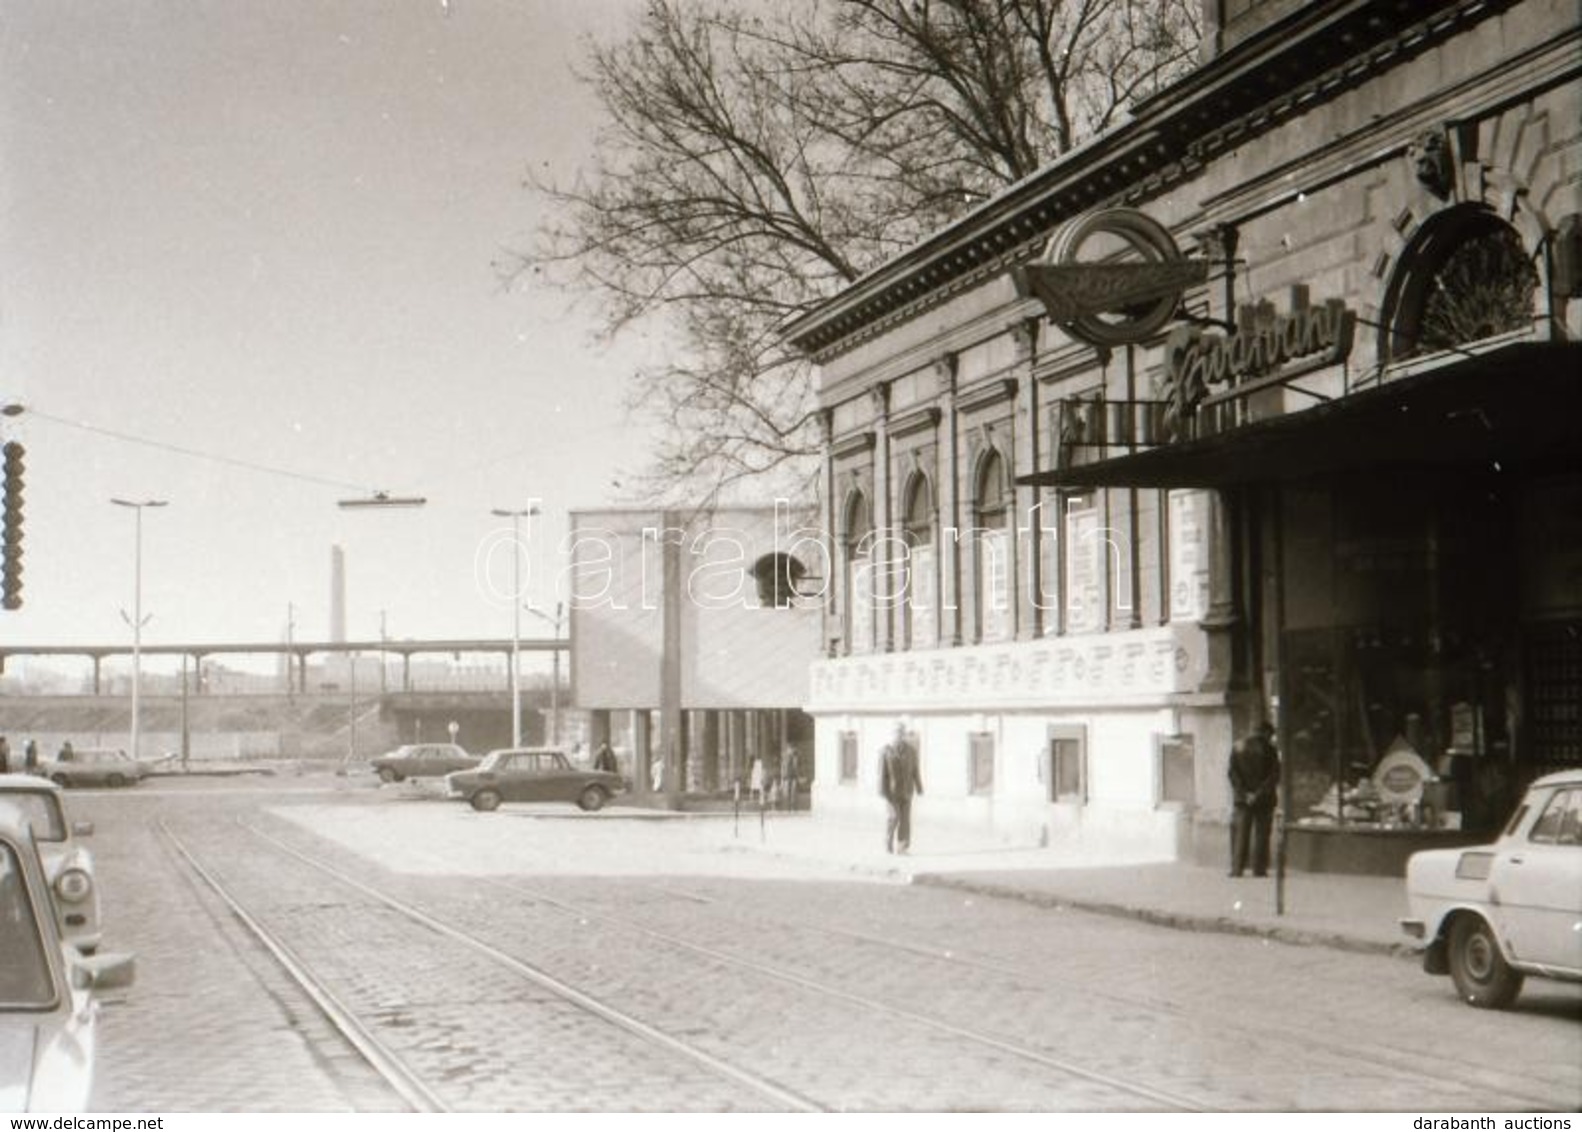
x=858 y=557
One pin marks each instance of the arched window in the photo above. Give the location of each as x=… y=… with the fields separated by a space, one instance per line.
x=992 y=550
x=858 y=548
x=1465 y=277
x=919 y=611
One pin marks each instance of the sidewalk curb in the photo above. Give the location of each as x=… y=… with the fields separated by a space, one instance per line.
x=1181 y=921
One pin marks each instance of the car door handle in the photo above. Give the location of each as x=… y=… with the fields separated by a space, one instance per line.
x=1515 y=860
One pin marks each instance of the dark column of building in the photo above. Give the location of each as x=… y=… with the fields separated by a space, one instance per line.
x=735 y=741
x=642 y=751
x=1221 y=625
x=829 y=514
x=671 y=729
x=598 y=728
x=709 y=742
x=1022 y=528
x=884 y=611
x=949 y=481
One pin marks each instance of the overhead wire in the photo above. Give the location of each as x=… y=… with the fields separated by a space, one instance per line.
x=231 y=461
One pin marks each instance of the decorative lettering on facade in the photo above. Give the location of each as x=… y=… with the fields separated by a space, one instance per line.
x=1085 y=571
x=994 y=584
x=1111 y=667
x=1189 y=574
x=925 y=620
x=1266 y=345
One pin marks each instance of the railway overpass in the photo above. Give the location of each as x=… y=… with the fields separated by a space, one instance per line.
x=300 y=654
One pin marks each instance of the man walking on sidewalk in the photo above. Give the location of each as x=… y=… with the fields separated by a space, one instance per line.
x=899 y=779
x=1255 y=785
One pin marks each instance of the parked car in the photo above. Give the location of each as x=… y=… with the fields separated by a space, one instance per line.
x=48 y=1013
x=422 y=760
x=1492 y=915
x=532 y=774
x=68 y=865
x=93 y=766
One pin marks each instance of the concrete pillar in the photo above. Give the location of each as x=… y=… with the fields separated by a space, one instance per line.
x=1025 y=460
x=598 y=728
x=884 y=506
x=948 y=479
x=735 y=743
x=671 y=727
x=642 y=752
x=709 y=742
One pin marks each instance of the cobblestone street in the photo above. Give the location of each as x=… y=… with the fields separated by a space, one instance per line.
x=840 y=990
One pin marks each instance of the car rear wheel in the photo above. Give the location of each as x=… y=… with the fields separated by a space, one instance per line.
x=60 y=780
x=115 y=780
x=593 y=798
x=388 y=775
x=1481 y=975
x=486 y=800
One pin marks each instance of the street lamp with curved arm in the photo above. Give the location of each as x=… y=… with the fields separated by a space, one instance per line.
x=136 y=620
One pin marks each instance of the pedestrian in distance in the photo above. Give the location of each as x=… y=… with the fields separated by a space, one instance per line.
x=755 y=780
x=30 y=757
x=604 y=759
x=1255 y=786
x=5 y=755
x=900 y=779
x=790 y=775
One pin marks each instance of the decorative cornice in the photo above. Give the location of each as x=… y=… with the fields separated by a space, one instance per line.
x=854 y=444
x=1314 y=54
x=916 y=420
x=989 y=393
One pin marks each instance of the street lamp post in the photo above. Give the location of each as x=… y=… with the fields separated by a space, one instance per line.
x=554 y=687
x=516 y=615
x=137 y=611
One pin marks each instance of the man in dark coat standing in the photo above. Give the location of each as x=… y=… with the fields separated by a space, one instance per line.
x=1255 y=787
x=899 y=779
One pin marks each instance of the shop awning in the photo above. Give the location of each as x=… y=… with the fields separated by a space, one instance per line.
x=1519 y=405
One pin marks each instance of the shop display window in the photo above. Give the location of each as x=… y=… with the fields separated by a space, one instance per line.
x=1395 y=729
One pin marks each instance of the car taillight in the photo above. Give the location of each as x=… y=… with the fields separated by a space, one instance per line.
x=73 y=886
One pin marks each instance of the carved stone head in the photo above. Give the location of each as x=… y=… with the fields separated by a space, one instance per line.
x=1429 y=154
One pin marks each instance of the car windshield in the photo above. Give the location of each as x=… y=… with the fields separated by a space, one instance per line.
x=25 y=981
x=39 y=809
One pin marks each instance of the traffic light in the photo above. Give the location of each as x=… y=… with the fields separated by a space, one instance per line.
x=11 y=539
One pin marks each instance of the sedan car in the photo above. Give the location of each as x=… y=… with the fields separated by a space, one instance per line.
x=532 y=774
x=93 y=766
x=48 y=1013
x=1492 y=915
x=68 y=866
x=422 y=760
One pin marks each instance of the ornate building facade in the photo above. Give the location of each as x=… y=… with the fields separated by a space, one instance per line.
x=1263 y=404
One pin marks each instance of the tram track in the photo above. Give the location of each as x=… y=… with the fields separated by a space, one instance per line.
x=414 y=1085
x=1359 y=1057
x=1134 y=1091
x=1125 y=1094
x=1450 y=1067
x=390 y=1069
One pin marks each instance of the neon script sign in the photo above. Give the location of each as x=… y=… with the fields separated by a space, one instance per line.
x=1267 y=347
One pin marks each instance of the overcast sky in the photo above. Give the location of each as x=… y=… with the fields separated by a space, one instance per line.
x=265 y=232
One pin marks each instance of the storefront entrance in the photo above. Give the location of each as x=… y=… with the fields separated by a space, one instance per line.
x=1428 y=663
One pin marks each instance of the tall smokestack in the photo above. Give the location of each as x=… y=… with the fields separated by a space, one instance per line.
x=337 y=595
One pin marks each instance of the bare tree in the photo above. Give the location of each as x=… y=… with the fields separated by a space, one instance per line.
x=755 y=161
